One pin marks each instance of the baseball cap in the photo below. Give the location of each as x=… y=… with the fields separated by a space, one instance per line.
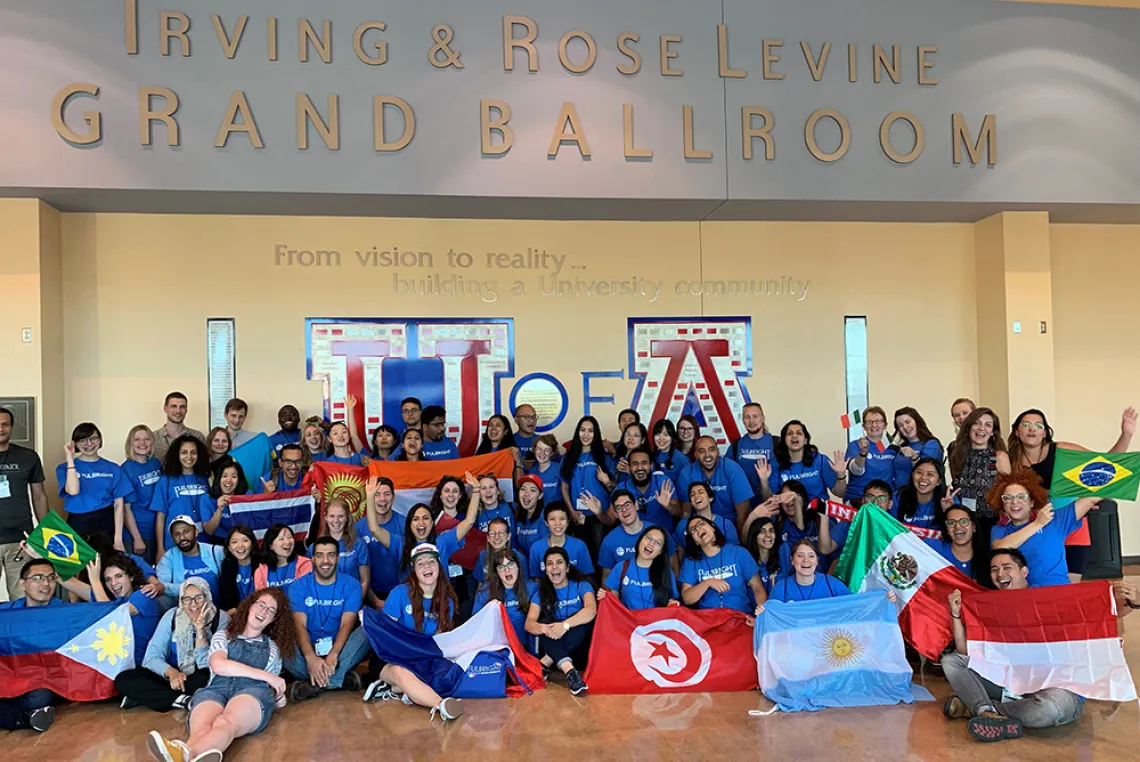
x=184 y=519
x=532 y=478
x=424 y=549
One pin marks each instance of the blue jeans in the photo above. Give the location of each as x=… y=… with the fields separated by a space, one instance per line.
x=354 y=651
x=14 y=711
x=1044 y=709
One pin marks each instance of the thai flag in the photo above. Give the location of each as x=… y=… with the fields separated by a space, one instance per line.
x=482 y=658
x=293 y=508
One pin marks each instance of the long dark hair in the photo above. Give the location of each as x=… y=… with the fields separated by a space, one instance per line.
x=810 y=516
x=403 y=456
x=508 y=441
x=547 y=594
x=667 y=426
x=282 y=630
x=1015 y=451
x=242 y=483
x=268 y=557
x=692 y=549
x=784 y=455
x=410 y=541
x=597 y=450
x=172 y=466
x=436 y=506
x=495 y=589
x=980 y=544
x=691 y=455
x=521 y=512
x=660 y=575
x=908 y=495
x=443 y=603
x=961 y=444
x=391 y=430
x=129 y=567
x=620 y=450
x=773 y=562
x=228 y=594
x=920 y=427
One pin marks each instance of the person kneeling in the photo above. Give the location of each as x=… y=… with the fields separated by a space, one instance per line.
x=563 y=620
x=246 y=686
x=326 y=607
x=176 y=660
x=979 y=700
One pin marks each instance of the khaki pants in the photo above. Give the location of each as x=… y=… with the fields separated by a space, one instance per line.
x=9 y=552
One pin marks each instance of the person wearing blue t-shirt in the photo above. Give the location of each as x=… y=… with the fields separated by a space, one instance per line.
x=526 y=421
x=214 y=506
x=188 y=558
x=509 y=584
x=798 y=459
x=754 y=445
x=336 y=522
x=411 y=449
x=240 y=563
x=385 y=564
x=289 y=419
x=961 y=543
x=498 y=539
x=1036 y=527
x=869 y=457
x=185 y=476
x=547 y=469
x=990 y=716
x=530 y=525
x=287 y=474
x=430 y=610
x=763 y=542
x=666 y=457
x=497 y=436
x=326 y=608
x=621 y=542
x=806 y=582
x=923 y=500
x=32 y=709
x=654 y=493
x=563 y=620
x=732 y=494
x=914 y=443
x=340 y=448
x=588 y=470
x=717 y=575
x=645 y=579
x=557 y=517
x=491 y=505
x=143 y=471
x=700 y=496
x=94 y=490
x=436 y=444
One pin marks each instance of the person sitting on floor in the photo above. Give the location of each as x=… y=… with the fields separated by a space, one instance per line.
x=33 y=709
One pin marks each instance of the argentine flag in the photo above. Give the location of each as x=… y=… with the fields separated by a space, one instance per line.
x=845 y=651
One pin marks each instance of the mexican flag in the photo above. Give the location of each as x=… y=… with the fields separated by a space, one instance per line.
x=882 y=554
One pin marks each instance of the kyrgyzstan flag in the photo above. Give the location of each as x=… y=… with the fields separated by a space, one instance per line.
x=669 y=650
x=1063 y=636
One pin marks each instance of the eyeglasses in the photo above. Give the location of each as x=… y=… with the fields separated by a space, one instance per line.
x=507 y=565
x=1020 y=497
x=527 y=417
x=268 y=608
x=958 y=522
x=623 y=506
x=94 y=439
x=291 y=462
x=192 y=599
x=39 y=579
x=498 y=533
x=880 y=500
x=1035 y=425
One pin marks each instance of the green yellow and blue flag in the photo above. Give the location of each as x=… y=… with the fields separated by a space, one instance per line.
x=58 y=543
x=1096 y=474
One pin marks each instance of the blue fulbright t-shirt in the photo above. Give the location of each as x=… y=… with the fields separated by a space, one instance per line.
x=511 y=604
x=101 y=482
x=946 y=550
x=195 y=566
x=787 y=589
x=571 y=599
x=575 y=548
x=646 y=498
x=177 y=496
x=444 y=449
x=144 y=623
x=817 y=478
x=282 y=438
x=526 y=535
x=323 y=605
x=384 y=562
x=902 y=465
x=352 y=460
x=618 y=545
x=351 y=559
x=634 y=589
x=500 y=511
x=143 y=477
x=726 y=527
x=877 y=465
x=1045 y=551
x=398 y=606
x=584 y=478
x=747 y=451
x=735 y=566
x=480 y=570
x=551 y=482
x=525 y=444
x=245 y=584
x=22 y=603
x=446 y=543
x=729 y=483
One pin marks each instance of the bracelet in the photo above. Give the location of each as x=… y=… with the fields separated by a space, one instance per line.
x=958 y=617
x=71 y=468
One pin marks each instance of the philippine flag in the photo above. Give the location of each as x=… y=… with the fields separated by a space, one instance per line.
x=845 y=651
x=73 y=650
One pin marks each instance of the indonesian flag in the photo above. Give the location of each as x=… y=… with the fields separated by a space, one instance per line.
x=669 y=650
x=1063 y=636
x=293 y=508
x=883 y=554
x=846 y=513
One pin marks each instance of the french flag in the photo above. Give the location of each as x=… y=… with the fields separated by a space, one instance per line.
x=1064 y=636
x=293 y=508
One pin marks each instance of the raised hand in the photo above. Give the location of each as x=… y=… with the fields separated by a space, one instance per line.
x=838 y=462
x=470 y=480
x=268 y=486
x=69 y=450
x=664 y=495
x=909 y=452
x=1044 y=515
x=763 y=469
x=948 y=499
x=350 y=402
x=955 y=599
x=864 y=446
x=593 y=503
x=1128 y=422
x=371 y=487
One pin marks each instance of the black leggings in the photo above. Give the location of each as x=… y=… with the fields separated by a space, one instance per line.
x=592 y=532
x=154 y=691
x=102 y=520
x=574 y=645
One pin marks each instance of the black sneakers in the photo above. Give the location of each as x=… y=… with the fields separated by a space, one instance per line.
x=302 y=690
x=352 y=682
x=42 y=718
x=575 y=682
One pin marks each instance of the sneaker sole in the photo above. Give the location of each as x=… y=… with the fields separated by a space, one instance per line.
x=459 y=713
x=213 y=755
x=991 y=729
x=374 y=690
x=580 y=691
x=950 y=714
x=157 y=746
x=42 y=719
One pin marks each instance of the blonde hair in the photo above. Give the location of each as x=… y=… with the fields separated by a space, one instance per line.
x=131 y=435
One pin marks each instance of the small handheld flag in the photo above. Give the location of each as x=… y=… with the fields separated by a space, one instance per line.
x=1096 y=474
x=847 y=420
x=58 y=543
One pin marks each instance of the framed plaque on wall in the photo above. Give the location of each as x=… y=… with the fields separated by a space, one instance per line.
x=24 y=427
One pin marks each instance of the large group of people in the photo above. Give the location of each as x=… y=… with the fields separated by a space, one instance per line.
x=230 y=626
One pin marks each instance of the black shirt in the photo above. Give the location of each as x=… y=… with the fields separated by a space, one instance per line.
x=21 y=467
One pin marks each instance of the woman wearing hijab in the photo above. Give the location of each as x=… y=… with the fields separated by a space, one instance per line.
x=176 y=661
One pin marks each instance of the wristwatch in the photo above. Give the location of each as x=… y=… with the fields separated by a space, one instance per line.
x=565 y=627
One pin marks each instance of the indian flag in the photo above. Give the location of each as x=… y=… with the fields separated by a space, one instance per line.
x=882 y=554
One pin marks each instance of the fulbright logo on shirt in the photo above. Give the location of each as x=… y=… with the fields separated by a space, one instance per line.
x=311 y=601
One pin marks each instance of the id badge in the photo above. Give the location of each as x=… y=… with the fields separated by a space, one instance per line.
x=970 y=503
x=323 y=646
x=454 y=570
x=5 y=487
x=582 y=506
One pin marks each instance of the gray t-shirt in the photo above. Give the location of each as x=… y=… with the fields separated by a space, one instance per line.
x=19 y=467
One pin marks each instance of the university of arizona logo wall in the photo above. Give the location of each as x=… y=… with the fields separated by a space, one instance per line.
x=692 y=365
x=451 y=362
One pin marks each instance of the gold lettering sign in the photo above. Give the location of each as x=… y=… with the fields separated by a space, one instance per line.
x=381 y=47
x=961 y=137
x=885 y=137
x=510 y=42
x=238 y=105
x=489 y=124
x=568 y=118
x=749 y=131
x=147 y=114
x=93 y=119
x=378 y=105
x=844 y=134
x=329 y=131
x=627 y=132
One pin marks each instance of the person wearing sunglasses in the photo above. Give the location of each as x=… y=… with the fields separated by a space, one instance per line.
x=33 y=709
x=1035 y=526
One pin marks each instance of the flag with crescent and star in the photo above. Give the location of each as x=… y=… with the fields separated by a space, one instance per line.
x=669 y=650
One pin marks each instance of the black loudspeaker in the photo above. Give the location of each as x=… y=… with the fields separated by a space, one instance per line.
x=1105 y=561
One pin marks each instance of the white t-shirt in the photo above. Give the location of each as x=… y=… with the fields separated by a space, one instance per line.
x=220 y=642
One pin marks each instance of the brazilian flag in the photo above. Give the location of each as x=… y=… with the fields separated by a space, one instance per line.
x=57 y=542
x=1096 y=474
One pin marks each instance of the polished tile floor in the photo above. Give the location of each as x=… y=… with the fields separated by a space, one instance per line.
x=553 y=724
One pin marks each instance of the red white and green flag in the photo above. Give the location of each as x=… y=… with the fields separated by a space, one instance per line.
x=881 y=553
x=847 y=420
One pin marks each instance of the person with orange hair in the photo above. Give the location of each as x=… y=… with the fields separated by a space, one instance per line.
x=1035 y=526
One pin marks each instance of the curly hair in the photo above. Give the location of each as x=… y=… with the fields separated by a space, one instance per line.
x=1038 y=495
x=281 y=630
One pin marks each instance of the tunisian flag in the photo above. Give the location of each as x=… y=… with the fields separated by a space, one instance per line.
x=1063 y=636
x=670 y=650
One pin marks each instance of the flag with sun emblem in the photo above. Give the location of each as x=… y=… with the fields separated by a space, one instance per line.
x=57 y=542
x=845 y=651
x=1096 y=474
x=75 y=650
